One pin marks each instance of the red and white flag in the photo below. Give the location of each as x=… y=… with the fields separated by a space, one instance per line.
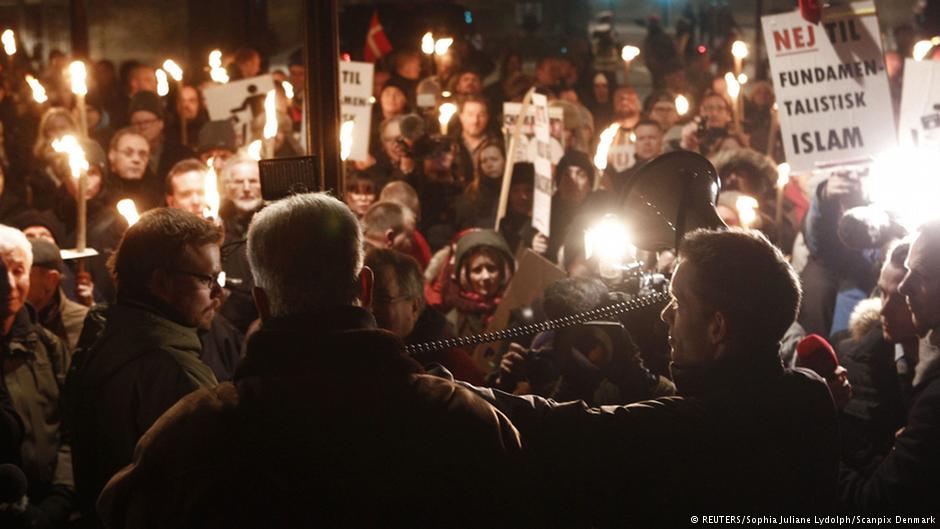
x=377 y=44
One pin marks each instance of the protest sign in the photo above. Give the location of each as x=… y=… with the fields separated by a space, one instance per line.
x=831 y=86
x=234 y=101
x=355 y=89
x=526 y=148
x=919 y=125
x=542 y=198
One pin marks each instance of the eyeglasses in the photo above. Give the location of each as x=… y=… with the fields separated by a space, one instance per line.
x=210 y=281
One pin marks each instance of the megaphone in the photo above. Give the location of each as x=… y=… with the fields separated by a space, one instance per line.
x=670 y=196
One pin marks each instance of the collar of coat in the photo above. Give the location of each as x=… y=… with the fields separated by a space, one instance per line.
x=334 y=343
x=727 y=377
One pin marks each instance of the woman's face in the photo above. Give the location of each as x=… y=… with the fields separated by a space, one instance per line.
x=94 y=184
x=485 y=274
x=393 y=101
x=492 y=162
x=57 y=127
x=575 y=184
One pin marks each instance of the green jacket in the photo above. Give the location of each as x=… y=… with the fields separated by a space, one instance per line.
x=35 y=362
x=125 y=375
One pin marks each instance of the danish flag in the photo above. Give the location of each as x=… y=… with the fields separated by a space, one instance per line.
x=377 y=44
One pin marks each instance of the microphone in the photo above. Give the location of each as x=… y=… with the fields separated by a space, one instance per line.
x=814 y=352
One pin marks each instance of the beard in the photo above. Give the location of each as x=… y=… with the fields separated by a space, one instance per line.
x=247 y=205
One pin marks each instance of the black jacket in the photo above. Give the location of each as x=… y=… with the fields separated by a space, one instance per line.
x=326 y=424
x=908 y=478
x=747 y=437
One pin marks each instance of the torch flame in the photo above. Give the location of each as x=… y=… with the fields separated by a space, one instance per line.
x=427 y=43
x=628 y=53
x=739 y=49
x=288 y=89
x=747 y=210
x=216 y=72
x=442 y=45
x=270 y=115
x=163 y=84
x=921 y=49
x=69 y=145
x=682 y=105
x=603 y=147
x=9 y=42
x=173 y=69
x=212 y=192
x=346 y=139
x=783 y=175
x=254 y=150
x=734 y=88
x=215 y=59
x=78 y=77
x=742 y=79
x=128 y=210
x=445 y=112
x=39 y=93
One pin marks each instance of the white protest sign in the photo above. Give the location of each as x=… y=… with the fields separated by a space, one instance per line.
x=542 y=198
x=355 y=89
x=526 y=148
x=234 y=101
x=919 y=125
x=831 y=87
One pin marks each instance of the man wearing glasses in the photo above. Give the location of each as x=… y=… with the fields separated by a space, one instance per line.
x=147 y=118
x=147 y=355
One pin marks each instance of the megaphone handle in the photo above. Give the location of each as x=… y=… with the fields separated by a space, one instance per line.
x=542 y=326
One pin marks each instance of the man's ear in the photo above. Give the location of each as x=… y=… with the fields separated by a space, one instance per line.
x=52 y=279
x=718 y=328
x=261 y=302
x=366 y=280
x=388 y=237
x=159 y=283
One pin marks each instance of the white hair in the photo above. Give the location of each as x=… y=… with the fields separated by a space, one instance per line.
x=305 y=251
x=241 y=157
x=12 y=239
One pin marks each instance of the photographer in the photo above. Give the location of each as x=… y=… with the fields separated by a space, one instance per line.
x=714 y=122
x=597 y=362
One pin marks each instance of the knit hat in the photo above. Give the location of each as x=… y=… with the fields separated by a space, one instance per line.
x=148 y=101
x=46 y=255
x=217 y=135
x=814 y=352
x=484 y=238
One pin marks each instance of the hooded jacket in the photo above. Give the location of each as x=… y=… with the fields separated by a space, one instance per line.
x=326 y=424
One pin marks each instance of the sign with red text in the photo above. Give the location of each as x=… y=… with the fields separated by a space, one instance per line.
x=831 y=86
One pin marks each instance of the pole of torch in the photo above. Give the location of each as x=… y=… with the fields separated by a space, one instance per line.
x=81 y=224
x=510 y=156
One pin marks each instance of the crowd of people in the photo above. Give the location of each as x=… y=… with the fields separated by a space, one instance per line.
x=247 y=367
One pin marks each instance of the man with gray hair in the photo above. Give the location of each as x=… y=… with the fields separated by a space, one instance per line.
x=34 y=363
x=327 y=422
x=241 y=186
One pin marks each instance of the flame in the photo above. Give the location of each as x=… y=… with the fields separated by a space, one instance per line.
x=215 y=59
x=216 y=72
x=427 y=43
x=734 y=88
x=288 y=89
x=445 y=112
x=163 y=84
x=783 y=175
x=603 y=146
x=78 y=76
x=270 y=115
x=628 y=53
x=68 y=144
x=173 y=69
x=128 y=210
x=742 y=79
x=254 y=150
x=442 y=45
x=39 y=93
x=346 y=139
x=921 y=49
x=682 y=105
x=747 y=210
x=212 y=192
x=9 y=42
x=739 y=49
